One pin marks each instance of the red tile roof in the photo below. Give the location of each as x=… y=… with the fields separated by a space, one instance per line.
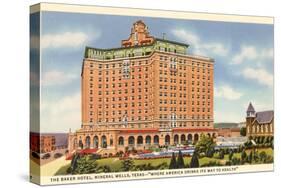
x=88 y=151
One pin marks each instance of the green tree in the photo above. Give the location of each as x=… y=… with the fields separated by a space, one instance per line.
x=243 y=156
x=230 y=155
x=85 y=165
x=173 y=162
x=210 y=152
x=221 y=154
x=180 y=161
x=250 y=157
x=243 y=131
x=205 y=143
x=127 y=165
x=263 y=156
x=194 y=163
x=73 y=164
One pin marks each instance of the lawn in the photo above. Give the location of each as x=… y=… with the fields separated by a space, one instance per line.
x=115 y=164
x=62 y=170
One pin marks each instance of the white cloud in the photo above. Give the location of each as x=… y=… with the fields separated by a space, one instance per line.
x=258 y=74
x=259 y=105
x=251 y=53
x=200 y=47
x=62 y=114
x=227 y=92
x=55 y=78
x=67 y=39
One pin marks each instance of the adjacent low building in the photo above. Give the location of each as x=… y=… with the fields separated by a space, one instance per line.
x=42 y=143
x=48 y=142
x=228 y=129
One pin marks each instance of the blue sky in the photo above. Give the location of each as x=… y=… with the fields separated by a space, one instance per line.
x=243 y=56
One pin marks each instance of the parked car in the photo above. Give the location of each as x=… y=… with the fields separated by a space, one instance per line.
x=35 y=155
x=58 y=155
x=46 y=156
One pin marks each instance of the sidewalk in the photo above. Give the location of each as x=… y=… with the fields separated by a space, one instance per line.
x=51 y=168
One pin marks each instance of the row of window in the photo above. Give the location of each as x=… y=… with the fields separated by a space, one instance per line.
x=145 y=62
x=184 y=124
x=119 y=85
x=184 y=67
x=194 y=117
x=165 y=79
x=125 y=105
x=261 y=128
x=114 y=65
x=139 y=118
x=126 y=91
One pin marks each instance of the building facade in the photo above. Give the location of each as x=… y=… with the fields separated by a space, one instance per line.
x=259 y=123
x=228 y=129
x=149 y=92
x=229 y=132
x=42 y=143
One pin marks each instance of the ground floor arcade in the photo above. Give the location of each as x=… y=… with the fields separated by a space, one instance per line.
x=112 y=141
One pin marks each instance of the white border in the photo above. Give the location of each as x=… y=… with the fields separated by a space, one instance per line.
x=87 y=9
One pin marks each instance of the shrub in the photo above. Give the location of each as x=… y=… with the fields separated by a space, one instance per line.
x=173 y=162
x=85 y=165
x=235 y=161
x=243 y=131
x=104 y=169
x=263 y=156
x=230 y=155
x=221 y=154
x=244 y=156
x=127 y=165
x=210 y=152
x=180 y=161
x=194 y=163
x=250 y=157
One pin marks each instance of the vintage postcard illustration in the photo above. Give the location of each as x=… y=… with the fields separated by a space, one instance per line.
x=117 y=94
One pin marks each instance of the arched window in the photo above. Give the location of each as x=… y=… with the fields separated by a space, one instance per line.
x=196 y=137
x=156 y=139
x=148 y=139
x=176 y=139
x=96 y=141
x=167 y=139
x=88 y=142
x=139 y=140
x=80 y=144
x=131 y=140
x=121 y=141
x=103 y=142
x=189 y=137
x=182 y=138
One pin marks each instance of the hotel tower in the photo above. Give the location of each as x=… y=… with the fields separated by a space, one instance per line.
x=147 y=93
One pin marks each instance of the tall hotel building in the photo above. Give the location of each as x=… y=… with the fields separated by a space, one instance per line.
x=149 y=92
